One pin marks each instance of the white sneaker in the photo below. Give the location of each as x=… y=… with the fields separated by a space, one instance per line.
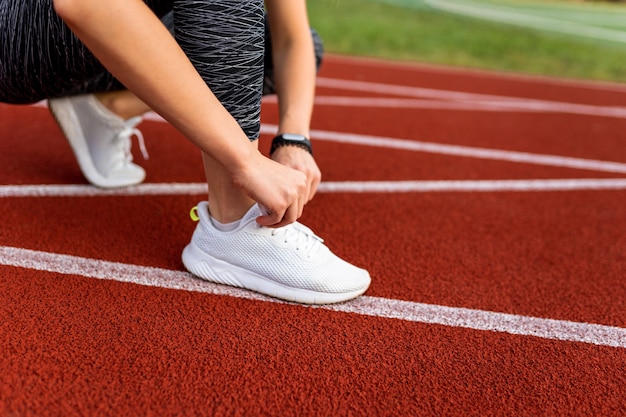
x=100 y=140
x=289 y=263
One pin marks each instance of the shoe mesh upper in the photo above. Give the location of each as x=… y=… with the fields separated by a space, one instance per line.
x=99 y=139
x=292 y=256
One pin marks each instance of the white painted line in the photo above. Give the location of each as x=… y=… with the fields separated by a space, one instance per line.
x=200 y=189
x=563 y=330
x=589 y=184
x=465 y=151
x=420 y=67
x=407 y=103
x=502 y=105
x=80 y=190
x=408 y=91
x=457 y=100
x=481 y=101
x=517 y=16
x=457 y=150
x=115 y=271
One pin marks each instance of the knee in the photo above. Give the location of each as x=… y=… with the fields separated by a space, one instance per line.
x=67 y=9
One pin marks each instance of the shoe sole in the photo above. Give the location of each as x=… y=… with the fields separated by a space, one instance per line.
x=65 y=116
x=221 y=272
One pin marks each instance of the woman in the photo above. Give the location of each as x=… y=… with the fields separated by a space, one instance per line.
x=207 y=82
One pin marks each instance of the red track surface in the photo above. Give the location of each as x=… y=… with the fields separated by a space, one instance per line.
x=75 y=345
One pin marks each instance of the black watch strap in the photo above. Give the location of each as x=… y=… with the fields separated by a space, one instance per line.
x=290 y=139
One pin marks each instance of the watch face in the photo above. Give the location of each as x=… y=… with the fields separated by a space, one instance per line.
x=290 y=136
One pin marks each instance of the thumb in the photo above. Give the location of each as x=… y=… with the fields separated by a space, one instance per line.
x=268 y=217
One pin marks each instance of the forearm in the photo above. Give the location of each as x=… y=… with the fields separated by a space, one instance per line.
x=295 y=82
x=294 y=65
x=134 y=46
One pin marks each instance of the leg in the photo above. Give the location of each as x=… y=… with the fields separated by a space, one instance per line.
x=230 y=60
x=41 y=58
x=123 y=103
x=37 y=69
x=68 y=76
x=98 y=118
x=289 y=262
x=126 y=105
x=269 y=86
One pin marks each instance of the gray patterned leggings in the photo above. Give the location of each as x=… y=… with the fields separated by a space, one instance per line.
x=224 y=39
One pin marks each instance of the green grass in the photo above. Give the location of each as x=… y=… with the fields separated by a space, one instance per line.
x=420 y=33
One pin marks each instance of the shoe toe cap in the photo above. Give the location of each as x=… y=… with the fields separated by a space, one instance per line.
x=126 y=175
x=343 y=277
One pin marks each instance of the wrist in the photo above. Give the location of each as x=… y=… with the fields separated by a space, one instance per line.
x=291 y=139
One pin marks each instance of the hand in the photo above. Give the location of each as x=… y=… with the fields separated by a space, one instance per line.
x=279 y=189
x=299 y=159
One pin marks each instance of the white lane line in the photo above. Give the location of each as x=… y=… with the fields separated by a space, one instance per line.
x=457 y=100
x=589 y=184
x=518 y=17
x=79 y=190
x=409 y=103
x=417 y=103
x=503 y=105
x=451 y=71
x=408 y=91
x=563 y=330
x=481 y=101
x=465 y=151
x=454 y=150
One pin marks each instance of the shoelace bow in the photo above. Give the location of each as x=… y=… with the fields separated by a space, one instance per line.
x=123 y=139
x=302 y=236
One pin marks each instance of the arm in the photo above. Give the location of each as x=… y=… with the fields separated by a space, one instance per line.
x=294 y=71
x=134 y=46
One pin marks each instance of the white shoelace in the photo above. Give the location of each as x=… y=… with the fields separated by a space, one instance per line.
x=303 y=238
x=123 y=140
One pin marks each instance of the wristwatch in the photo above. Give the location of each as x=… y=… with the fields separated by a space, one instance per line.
x=291 y=139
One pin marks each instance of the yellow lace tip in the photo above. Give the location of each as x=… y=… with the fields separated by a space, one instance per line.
x=194 y=214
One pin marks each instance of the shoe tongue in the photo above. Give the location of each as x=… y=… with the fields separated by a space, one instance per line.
x=252 y=214
x=133 y=121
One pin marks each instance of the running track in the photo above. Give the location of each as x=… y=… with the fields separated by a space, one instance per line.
x=488 y=208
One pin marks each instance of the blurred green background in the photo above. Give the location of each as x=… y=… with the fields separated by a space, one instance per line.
x=565 y=38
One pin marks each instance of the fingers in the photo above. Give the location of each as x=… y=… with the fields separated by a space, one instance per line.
x=279 y=219
x=300 y=160
x=281 y=190
x=313 y=175
x=313 y=184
